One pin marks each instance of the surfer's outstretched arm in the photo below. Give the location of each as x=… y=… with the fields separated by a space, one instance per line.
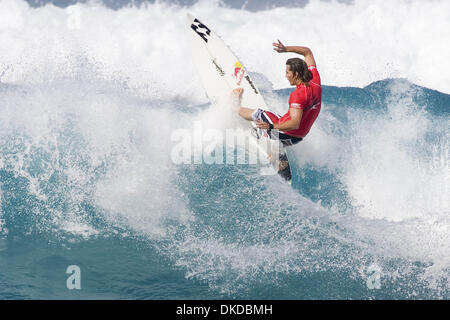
x=304 y=51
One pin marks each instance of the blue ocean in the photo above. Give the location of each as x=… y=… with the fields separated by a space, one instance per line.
x=92 y=92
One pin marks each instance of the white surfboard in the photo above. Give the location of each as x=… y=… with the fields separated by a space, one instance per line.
x=221 y=72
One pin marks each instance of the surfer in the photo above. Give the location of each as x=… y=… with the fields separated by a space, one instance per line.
x=304 y=101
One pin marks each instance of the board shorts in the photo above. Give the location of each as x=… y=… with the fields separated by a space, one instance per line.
x=271 y=118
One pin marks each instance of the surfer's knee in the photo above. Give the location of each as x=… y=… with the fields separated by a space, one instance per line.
x=256 y=114
x=245 y=113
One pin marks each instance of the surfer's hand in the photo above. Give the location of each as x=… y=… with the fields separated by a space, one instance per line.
x=237 y=92
x=262 y=125
x=279 y=47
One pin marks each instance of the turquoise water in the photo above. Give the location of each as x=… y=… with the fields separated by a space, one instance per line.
x=246 y=236
x=87 y=176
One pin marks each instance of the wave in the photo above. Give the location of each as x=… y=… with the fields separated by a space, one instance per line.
x=87 y=116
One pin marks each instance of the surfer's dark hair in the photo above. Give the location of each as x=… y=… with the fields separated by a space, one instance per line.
x=300 y=69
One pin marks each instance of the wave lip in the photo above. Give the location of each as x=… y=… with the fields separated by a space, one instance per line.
x=85 y=125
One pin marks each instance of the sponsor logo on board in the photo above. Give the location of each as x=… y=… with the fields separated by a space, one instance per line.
x=202 y=30
x=250 y=82
x=239 y=72
x=218 y=68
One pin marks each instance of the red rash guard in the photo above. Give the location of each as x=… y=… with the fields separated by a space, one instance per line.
x=307 y=97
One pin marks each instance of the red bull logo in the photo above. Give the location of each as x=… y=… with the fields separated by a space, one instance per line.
x=237 y=68
x=239 y=72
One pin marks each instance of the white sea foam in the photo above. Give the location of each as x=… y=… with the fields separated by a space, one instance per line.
x=354 y=45
x=107 y=85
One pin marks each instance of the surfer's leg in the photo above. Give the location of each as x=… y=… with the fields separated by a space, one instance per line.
x=283 y=162
x=246 y=113
x=288 y=140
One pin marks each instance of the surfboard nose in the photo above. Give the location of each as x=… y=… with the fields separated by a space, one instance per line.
x=190 y=17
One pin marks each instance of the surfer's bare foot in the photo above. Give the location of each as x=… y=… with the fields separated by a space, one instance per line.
x=282 y=165
x=236 y=95
x=237 y=92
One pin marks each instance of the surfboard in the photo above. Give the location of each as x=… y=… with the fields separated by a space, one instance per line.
x=220 y=72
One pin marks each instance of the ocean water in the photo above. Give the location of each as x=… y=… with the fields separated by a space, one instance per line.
x=91 y=93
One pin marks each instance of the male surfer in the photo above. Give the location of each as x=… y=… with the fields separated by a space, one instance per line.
x=304 y=101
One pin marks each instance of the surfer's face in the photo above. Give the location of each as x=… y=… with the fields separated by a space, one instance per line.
x=290 y=75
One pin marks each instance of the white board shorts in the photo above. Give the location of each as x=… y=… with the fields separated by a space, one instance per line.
x=268 y=117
